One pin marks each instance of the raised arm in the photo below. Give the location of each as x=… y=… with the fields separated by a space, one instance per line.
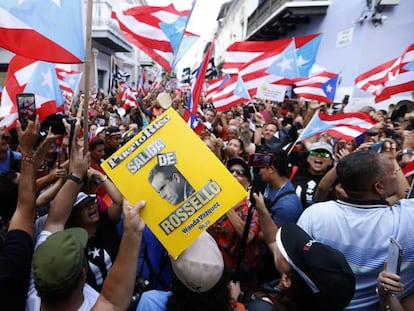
x=61 y=206
x=24 y=216
x=118 y=287
x=115 y=209
x=269 y=228
x=238 y=225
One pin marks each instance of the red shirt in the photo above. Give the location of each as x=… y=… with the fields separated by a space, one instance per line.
x=229 y=241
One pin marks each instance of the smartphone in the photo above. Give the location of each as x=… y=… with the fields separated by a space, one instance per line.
x=341 y=145
x=260 y=159
x=377 y=147
x=26 y=107
x=394 y=257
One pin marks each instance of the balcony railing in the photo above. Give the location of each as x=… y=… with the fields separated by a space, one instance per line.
x=105 y=30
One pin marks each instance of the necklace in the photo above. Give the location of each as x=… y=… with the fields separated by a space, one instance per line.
x=267 y=190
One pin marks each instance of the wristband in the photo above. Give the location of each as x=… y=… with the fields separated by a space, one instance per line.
x=383 y=297
x=103 y=180
x=74 y=178
x=28 y=158
x=408 y=151
x=259 y=125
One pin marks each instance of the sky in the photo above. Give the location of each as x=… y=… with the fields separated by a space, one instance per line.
x=202 y=22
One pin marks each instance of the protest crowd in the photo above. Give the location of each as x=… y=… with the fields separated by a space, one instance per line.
x=328 y=192
x=324 y=211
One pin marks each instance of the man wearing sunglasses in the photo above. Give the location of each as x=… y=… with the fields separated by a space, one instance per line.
x=318 y=162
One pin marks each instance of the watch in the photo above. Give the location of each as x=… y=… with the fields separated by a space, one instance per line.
x=408 y=151
x=74 y=178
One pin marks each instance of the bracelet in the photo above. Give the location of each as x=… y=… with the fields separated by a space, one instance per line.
x=383 y=297
x=259 y=125
x=74 y=178
x=103 y=180
x=408 y=151
x=28 y=159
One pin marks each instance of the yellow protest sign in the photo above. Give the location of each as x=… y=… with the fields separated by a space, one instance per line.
x=185 y=185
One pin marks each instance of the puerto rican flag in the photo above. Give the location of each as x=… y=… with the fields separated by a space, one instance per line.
x=128 y=96
x=48 y=30
x=320 y=87
x=141 y=82
x=192 y=121
x=197 y=86
x=343 y=125
x=390 y=78
x=240 y=53
x=408 y=169
x=68 y=79
x=29 y=76
x=159 y=31
x=215 y=85
x=254 y=69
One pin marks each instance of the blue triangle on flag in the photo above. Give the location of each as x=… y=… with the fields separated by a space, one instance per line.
x=409 y=66
x=285 y=64
x=240 y=89
x=329 y=88
x=306 y=56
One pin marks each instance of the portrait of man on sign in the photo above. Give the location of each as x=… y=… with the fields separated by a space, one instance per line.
x=170 y=184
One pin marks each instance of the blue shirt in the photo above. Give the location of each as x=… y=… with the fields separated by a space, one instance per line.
x=287 y=207
x=6 y=163
x=154 y=300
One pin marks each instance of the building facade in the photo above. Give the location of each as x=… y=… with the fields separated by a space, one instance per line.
x=357 y=35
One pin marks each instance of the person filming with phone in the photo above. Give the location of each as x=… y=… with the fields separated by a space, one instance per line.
x=361 y=225
x=279 y=196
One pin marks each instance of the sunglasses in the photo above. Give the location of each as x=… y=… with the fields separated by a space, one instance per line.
x=323 y=154
x=372 y=133
x=237 y=171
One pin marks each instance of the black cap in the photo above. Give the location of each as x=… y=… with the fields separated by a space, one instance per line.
x=324 y=269
x=112 y=130
x=242 y=162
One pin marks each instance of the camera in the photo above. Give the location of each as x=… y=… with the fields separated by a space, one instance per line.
x=141 y=285
x=55 y=123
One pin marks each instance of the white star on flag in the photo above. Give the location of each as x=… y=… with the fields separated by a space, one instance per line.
x=329 y=88
x=285 y=64
x=47 y=79
x=180 y=29
x=301 y=61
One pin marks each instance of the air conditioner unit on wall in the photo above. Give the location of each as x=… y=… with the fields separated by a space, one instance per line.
x=389 y=2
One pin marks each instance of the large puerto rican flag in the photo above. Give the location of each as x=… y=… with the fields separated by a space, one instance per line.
x=29 y=76
x=48 y=30
x=390 y=78
x=159 y=31
x=342 y=125
x=252 y=64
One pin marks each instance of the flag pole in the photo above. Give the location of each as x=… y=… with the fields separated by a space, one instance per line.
x=411 y=189
x=293 y=146
x=182 y=37
x=88 y=57
x=111 y=73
